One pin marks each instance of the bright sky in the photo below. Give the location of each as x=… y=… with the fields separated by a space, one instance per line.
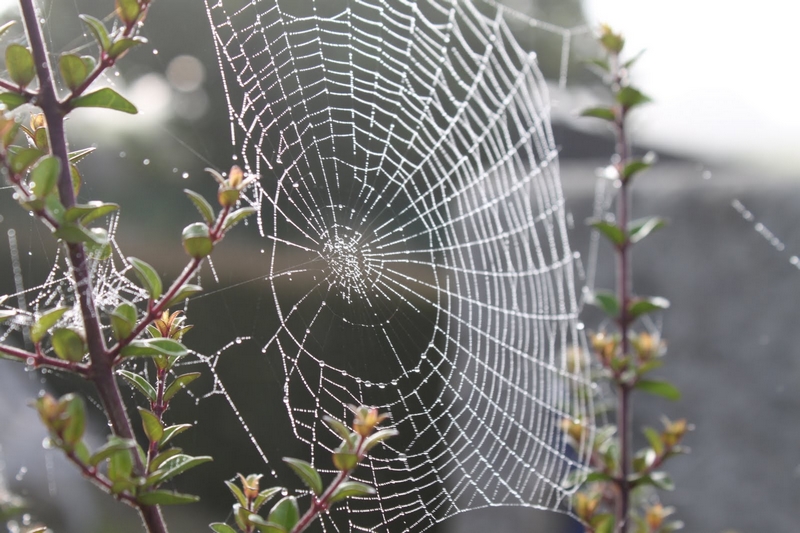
x=724 y=75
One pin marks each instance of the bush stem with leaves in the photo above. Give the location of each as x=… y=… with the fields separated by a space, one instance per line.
x=613 y=498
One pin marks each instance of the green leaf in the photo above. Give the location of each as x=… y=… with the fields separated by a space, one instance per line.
x=120 y=465
x=45 y=322
x=306 y=473
x=179 y=384
x=75 y=412
x=74 y=233
x=340 y=428
x=163 y=457
x=73 y=70
x=610 y=230
x=344 y=460
x=264 y=496
x=82 y=452
x=165 y=497
x=659 y=388
x=629 y=97
x=154 y=347
x=285 y=513
x=20 y=65
x=642 y=306
x=75 y=174
x=40 y=139
x=639 y=229
x=86 y=213
x=629 y=63
x=68 y=345
x=123 y=320
x=604 y=113
x=605 y=301
x=265 y=526
x=173 y=467
x=219 y=527
x=44 y=175
x=202 y=205
x=634 y=167
x=654 y=438
x=99 y=31
x=349 y=489
x=612 y=42
x=140 y=384
x=378 y=437
x=111 y=447
x=106 y=98
x=147 y=276
x=153 y=428
x=128 y=10
x=659 y=480
x=187 y=291
x=22 y=160
x=237 y=216
x=172 y=432
x=121 y=46
x=602 y=64
x=12 y=101
x=78 y=155
x=237 y=493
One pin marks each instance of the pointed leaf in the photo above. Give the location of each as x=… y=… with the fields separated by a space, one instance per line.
x=604 y=113
x=140 y=384
x=45 y=322
x=610 y=230
x=5 y=314
x=153 y=428
x=154 y=347
x=264 y=496
x=111 y=447
x=165 y=497
x=7 y=26
x=99 y=31
x=75 y=412
x=285 y=513
x=639 y=229
x=659 y=388
x=642 y=306
x=121 y=46
x=654 y=438
x=172 y=432
x=187 y=291
x=123 y=320
x=68 y=345
x=173 y=467
x=106 y=98
x=128 y=10
x=74 y=233
x=73 y=70
x=350 y=489
x=339 y=427
x=237 y=493
x=605 y=301
x=629 y=97
x=163 y=457
x=378 y=437
x=237 y=216
x=22 y=160
x=179 y=384
x=147 y=276
x=634 y=167
x=86 y=213
x=78 y=155
x=306 y=473
x=12 y=100
x=120 y=465
x=202 y=205
x=219 y=527
x=20 y=65
x=44 y=175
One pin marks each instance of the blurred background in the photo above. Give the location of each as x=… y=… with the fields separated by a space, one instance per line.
x=726 y=127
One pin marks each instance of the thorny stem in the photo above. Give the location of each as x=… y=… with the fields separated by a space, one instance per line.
x=101 y=371
x=323 y=502
x=624 y=291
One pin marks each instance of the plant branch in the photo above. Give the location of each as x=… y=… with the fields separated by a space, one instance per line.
x=101 y=370
x=39 y=360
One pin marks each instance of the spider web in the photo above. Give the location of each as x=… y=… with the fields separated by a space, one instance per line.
x=417 y=251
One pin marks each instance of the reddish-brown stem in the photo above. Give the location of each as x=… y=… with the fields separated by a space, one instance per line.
x=323 y=502
x=40 y=360
x=101 y=369
x=624 y=291
x=91 y=473
x=158 y=407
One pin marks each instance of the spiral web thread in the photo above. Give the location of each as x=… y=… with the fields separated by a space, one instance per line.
x=417 y=251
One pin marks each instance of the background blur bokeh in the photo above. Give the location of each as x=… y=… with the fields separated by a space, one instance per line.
x=724 y=124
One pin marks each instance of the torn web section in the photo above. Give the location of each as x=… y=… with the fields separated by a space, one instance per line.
x=417 y=254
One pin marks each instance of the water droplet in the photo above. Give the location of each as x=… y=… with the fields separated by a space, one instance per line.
x=21 y=474
x=123 y=155
x=146 y=162
x=185 y=175
x=707 y=174
x=155 y=51
x=794 y=260
x=238 y=340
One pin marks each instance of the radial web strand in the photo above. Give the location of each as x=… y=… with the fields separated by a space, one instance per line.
x=416 y=246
